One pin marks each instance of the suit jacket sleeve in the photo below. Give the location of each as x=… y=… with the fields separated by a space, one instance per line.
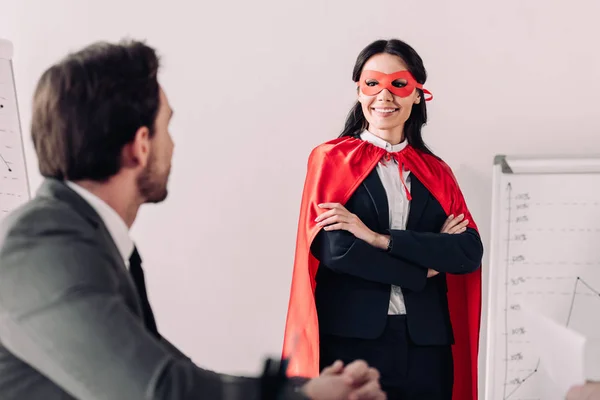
x=451 y=253
x=236 y=387
x=63 y=315
x=343 y=252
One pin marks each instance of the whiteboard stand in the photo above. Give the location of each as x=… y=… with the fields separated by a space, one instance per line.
x=544 y=250
x=14 y=182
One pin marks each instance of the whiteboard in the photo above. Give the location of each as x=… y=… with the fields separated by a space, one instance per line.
x=14 y=185
x=545 y=252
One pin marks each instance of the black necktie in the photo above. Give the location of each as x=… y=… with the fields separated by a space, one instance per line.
x=135 y=268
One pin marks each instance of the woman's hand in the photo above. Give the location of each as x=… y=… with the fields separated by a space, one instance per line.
x=452 y=225
x=339 y=218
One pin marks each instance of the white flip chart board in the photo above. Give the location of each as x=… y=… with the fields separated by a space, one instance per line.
x=545 y=253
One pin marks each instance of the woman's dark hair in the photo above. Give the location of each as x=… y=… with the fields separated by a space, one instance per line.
x=356 y=122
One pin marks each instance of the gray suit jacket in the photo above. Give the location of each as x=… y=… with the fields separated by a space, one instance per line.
x=71 y=323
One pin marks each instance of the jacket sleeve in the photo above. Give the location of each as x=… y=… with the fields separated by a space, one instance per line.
x=342 y=252
x=452 y=253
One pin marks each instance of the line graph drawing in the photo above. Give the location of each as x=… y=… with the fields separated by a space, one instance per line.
x=519 y=382
x=5 y=162
x=578 y=282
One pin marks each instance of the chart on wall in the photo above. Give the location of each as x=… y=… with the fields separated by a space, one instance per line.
x=545 y=252
x=14 y=185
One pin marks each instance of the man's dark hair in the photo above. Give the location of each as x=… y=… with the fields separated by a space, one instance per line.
x=88 y=106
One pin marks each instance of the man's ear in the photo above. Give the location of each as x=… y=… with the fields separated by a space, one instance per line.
x=137 y=152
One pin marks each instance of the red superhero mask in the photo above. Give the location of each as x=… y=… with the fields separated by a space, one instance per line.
x=400 y=83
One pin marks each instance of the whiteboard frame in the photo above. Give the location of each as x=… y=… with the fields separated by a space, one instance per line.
x=6 y=53
x=495 y=240
x=506 y=165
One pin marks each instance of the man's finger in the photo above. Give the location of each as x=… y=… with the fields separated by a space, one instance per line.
x=374 y=375
x=358 y=370
x=575 y=393
x=369 y=391
x=334 y=368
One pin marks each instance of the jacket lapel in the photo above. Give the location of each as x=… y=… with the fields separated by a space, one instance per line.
x=420 y=198
x=59 y=190
x=376 y=191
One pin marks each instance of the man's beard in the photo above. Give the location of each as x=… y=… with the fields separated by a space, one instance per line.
x=152 y=186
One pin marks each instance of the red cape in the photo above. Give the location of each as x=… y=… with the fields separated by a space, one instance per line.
x=335 y=170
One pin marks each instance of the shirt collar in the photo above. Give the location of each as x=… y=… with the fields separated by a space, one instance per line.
x=114 y=223
x=379 y=142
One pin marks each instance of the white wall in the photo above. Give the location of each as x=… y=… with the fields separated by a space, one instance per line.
x=256 y=85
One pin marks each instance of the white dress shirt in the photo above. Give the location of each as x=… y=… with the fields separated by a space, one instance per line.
x=398 y=203
x=114 y=223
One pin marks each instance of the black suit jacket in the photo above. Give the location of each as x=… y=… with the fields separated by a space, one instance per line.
x=354 y=279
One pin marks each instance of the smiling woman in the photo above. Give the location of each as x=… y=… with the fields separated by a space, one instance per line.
x=387 y=265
